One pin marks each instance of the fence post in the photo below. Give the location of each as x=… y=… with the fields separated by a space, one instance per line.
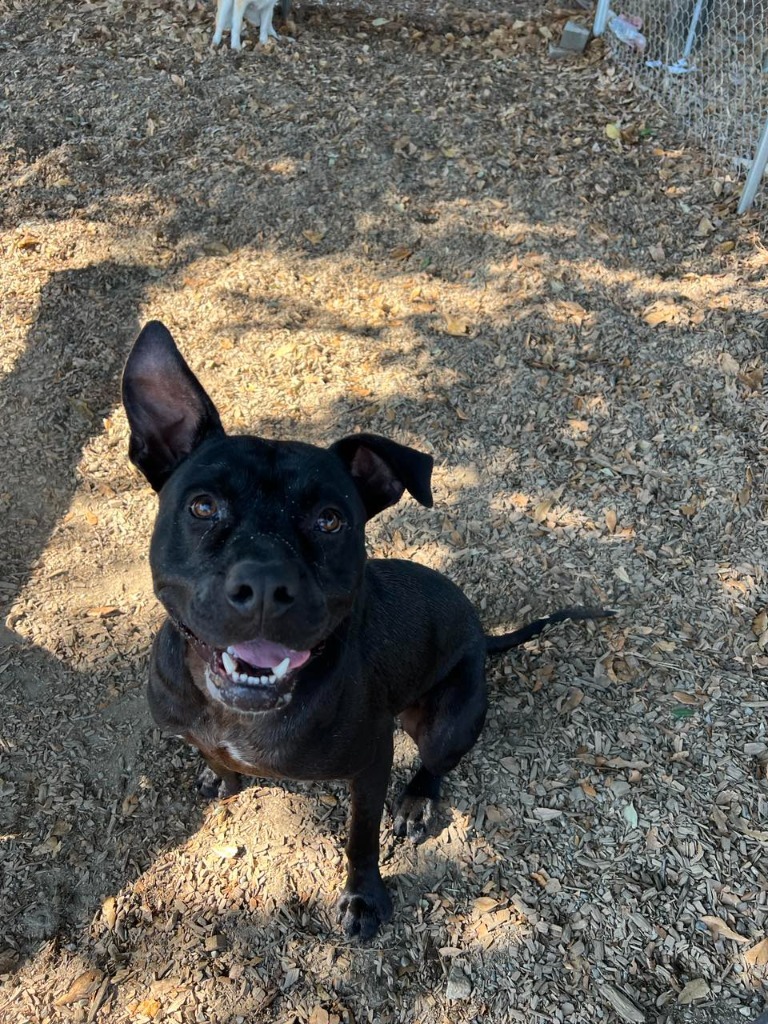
x=756 y=172
x=695 y=18
x=601 y=17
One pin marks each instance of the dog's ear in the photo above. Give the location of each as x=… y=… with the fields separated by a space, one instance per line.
x=168 y=411
x=383 y=470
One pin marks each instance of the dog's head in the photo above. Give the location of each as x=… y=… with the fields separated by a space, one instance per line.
x=258 y=549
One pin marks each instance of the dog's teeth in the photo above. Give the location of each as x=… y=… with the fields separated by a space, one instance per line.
x=280 y=670
x=264 y=680
x=228 y=663
x=231 y=650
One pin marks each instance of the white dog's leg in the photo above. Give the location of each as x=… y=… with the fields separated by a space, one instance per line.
x=237 y=21
x=266 y=29
x=223 y=19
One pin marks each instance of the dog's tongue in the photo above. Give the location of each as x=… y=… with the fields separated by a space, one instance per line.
x=266 y=654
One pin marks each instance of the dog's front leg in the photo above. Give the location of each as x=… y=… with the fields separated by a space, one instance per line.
x=365 y=902
x=217 y=782
x=238 y=13
x=223 y=19
x=266 y=28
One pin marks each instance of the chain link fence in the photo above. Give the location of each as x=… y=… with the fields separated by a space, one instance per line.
x=707 y=60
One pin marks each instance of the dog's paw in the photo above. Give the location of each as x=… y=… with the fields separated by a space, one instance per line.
x=361 y=913
x=211 y=786
x=413 y=817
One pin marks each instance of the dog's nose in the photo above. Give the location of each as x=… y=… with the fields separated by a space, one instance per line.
x=261 y=591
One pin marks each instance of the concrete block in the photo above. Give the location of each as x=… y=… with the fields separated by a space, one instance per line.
x=575 y=37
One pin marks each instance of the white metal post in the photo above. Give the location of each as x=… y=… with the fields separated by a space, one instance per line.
x=695 y=18
x=756 y=172
x=601 y=17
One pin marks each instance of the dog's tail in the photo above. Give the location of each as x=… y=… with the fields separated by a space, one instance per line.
x=496 y=644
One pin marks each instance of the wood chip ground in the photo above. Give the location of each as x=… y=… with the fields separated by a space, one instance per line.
x=411 y=220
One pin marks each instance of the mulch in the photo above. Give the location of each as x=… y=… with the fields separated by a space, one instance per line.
x=414 y=222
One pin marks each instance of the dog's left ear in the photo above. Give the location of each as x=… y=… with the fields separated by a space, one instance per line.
x=383 y=470
x=168 y=410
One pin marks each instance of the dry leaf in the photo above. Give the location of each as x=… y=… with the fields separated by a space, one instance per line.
x=109 y=912
x=613 y=132
x=578 y=426
x=728 y=365
x=760 y=622
x=652 y=841
x=575 y=698
x=215 y=249
x=611 y=520
x=685 y=698
x=313 y=237
x=103 y=611
x=753 y=378
x=696 y=989
x=81 y=988
x=662 y=313
x=51 y=846
x=401 y=252
x=588 y=789
x=90 y=518
x=27 y=241
x=149 y=1008
x=743 y=496
x=320 y=1015
x=456 y=326
x=542 y=510
x=705 y=227
x=720 y=929
x=130 y=803
x=757 y=956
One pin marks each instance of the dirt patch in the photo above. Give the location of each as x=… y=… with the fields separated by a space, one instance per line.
x=412 y=222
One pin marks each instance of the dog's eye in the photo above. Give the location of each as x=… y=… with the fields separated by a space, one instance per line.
x=329 y=521
x=203 y=507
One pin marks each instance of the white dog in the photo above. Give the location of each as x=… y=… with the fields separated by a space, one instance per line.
x=230 y=14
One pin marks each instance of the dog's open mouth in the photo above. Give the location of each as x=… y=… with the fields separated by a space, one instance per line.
x=258 y=675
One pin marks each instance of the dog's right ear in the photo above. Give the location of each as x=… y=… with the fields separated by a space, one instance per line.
x=168 y=410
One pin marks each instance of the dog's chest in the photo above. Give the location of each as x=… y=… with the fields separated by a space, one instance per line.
x=237 y=760
x=236 y=747
x=280 y=744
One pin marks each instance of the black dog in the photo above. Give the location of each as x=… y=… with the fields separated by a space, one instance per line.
x=286 y=651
